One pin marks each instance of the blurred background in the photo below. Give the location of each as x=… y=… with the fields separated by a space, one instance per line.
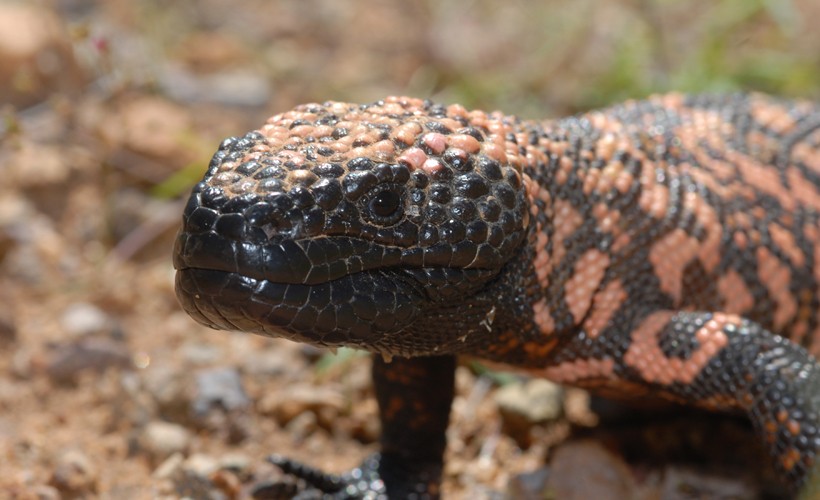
x=109 y=112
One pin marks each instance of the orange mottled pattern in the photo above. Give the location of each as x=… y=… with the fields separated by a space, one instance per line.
x=683 y=235
x=729 y=196
x=644 y=353
x=666 y=247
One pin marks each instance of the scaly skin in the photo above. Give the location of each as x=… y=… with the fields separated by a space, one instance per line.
x=666 y=248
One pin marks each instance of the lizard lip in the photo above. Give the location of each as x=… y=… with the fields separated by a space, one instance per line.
x=361 y=293
x=343 y=311
x=305 y=262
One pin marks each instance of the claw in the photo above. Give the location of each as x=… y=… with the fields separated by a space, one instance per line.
x=326 y=483
x=362 y=482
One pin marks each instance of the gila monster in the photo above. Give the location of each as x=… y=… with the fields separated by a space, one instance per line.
x=662 y=248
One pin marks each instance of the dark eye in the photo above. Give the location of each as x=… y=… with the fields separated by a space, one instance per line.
x=384 y=205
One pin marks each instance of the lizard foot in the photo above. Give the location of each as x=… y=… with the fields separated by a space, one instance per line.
x=379 y=477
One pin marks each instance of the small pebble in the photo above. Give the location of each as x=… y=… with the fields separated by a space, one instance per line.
x=235 y=462
x=74 y=474
x=81 y=319
x=22 y=362
x=200 y=353
x=286 y=405
x=536 y=400
x=189 y=485
x=169 y=467
x=171 y=390
x=87 y=354
x=525 y=404
x=585 y=469
x=151 y=126
x=200 y=464
x=273 y=362
x=219 y=387
x=228 y=482
x=302 y=426
x=8 y=330
x=43 y=492
x=161 y=439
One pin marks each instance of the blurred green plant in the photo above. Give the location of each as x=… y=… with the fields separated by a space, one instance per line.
x=337 y=359
x=179 y=183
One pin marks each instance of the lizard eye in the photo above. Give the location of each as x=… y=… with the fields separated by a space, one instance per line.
x=385 y=205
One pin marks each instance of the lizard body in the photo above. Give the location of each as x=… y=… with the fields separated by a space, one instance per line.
x=664 y=248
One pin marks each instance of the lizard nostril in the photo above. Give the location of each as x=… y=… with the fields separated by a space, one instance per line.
x=270 y=230
x=268 y=218
x=259 y=214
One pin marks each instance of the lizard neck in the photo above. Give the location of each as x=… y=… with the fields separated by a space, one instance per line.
x=584 y=203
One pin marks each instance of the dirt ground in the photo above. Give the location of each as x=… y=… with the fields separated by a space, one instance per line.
x=110 y=112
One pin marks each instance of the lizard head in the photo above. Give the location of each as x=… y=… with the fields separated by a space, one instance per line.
x=345 y=225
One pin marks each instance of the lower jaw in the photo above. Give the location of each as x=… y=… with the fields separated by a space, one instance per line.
x=229 y=301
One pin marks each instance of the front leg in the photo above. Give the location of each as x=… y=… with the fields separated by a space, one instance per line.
x=720 y=362
x=414 y=396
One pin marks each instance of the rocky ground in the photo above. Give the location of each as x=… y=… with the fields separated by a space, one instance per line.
x=108 y=390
